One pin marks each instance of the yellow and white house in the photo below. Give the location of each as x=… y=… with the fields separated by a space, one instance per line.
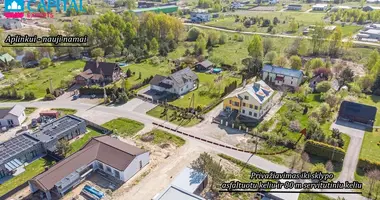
x=253 y=101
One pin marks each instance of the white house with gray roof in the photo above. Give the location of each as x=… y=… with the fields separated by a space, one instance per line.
x=14 y=116
x=179 y=83
x=282 y=76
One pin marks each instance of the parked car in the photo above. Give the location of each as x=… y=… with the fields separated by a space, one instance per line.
x=93 y=96
x=75 y=97
x=34 y=123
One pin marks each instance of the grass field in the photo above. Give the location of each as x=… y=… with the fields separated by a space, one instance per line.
x=31 y=170
x=371 y=146
x=303 y=19
x=124 y=127
x=77 y=144
x=162 y=137
x=157 y=112
x=146 y=69
x=36 y=80
x=209 y=90
x=30 y=110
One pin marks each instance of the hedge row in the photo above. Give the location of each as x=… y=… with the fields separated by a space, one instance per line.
x=368 y=164
x=324 y=150
x=96 y=91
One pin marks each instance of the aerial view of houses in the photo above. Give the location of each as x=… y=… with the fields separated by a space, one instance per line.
x=170 y=100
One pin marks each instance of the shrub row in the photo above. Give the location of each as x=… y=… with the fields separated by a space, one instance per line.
x=96 y=91
x=368 y=164
x=324 y=150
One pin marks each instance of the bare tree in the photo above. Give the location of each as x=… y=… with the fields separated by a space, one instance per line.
x=305 y=158
x=329 y=166
x=374 y=176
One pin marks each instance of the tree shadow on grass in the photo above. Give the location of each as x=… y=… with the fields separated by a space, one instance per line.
x=338 y=166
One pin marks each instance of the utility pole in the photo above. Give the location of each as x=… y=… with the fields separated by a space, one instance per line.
x=105 y=95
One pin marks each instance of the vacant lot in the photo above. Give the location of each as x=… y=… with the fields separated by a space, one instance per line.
x=161 y=137
x=210 y=89
x=36 y=80
x=371 y=146
x=303 y=20
x=158 y=113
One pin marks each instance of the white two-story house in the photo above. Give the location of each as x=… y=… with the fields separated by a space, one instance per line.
x=254 y=101
x=282 y=76
x=179 y=83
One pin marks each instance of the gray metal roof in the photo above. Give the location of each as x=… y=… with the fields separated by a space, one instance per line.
x=17 y=110
x=15 y=145
x=284 y=71
x=189 y=179
x=182 y=76
x=55 y=128
x=176 y=193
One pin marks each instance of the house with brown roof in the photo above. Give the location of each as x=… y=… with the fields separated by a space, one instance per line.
x=104 y=153
x=98 y=73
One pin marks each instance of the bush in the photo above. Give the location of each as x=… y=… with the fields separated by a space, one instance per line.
x=323 y=86
x=193 y=33
x=324 y=150
x=29 y=96
x=365 y=164
x=49 y=97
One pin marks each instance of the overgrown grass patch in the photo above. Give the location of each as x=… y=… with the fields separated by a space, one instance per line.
x=161 y=137
x=124 y=127
x=65 y=111
x=36 y=80
x=30 y=110
x=158 y=110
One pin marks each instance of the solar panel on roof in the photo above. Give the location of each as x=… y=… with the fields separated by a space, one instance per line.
x=18 y=162
x=8 y=167
x=14 y=163
x=11 y=165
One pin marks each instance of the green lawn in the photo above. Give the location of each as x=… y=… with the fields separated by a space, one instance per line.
x=147 y=69
x=36 y=80
x=371 y=146
x=348 y=29
x=209 y=90
x=157 y=112
x=77 y=144
x=30 y=110
x=65 y=111
x=31 y=171
x=162 y=137
x=306 y=196
x=124 y=127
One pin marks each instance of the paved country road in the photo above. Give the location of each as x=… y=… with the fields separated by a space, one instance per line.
x=273 y=35
x=127 y=111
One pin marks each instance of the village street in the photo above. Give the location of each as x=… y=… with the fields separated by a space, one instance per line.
x=101 y=114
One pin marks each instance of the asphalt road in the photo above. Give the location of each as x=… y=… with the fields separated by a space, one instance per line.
x=127 y=111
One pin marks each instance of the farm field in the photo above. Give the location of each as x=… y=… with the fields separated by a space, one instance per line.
x=302 y=18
